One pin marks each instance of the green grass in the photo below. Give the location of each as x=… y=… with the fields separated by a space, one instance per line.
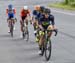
x=62 y=6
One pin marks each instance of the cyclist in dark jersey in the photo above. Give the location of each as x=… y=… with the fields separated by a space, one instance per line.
x=46 y=22
x=35 y=17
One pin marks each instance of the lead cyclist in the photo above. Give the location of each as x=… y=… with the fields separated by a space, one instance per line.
x=46 y=21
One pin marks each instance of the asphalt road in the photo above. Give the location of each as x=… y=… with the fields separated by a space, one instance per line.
x=16 y=50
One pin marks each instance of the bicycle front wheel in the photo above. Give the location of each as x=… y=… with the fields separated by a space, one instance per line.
x=27 y=35
x=48 y=50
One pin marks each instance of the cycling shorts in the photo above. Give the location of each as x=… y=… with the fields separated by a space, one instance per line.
x=10 y=15
x=45 y=26
x=23 y=18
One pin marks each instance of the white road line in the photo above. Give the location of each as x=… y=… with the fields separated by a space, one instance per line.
x=64 y=12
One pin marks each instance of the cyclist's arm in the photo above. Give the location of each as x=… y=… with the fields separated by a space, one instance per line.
x=21 y=13
x=40 y=22
x=34 y=14
x=29 y=13
x=30 y=17
x=6 y=11
x=14 y=11
x=52 y=21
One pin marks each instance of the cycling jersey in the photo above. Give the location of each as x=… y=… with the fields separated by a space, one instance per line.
x=35 y=14
x=24 y=13
x=46 y=21
x=11 y=13
x=39 y=15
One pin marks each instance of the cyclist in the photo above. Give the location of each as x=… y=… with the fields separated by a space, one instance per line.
x=25 y=13
x=11 y=11
x=46 y=21
x=41 y=12
x=35 y=17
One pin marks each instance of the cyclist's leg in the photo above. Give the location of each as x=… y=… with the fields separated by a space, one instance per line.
x=41 y=40
x=21 y=23
x=8 y=21
x=49 y=33
x=9 y=17
x=13 y=19
x=35 y=26
x=35 y=20
x=26 y=20
x=37 y=31
x=26 y=23
x=41 y=37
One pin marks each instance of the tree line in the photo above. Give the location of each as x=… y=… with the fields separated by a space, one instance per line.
x=70 y=2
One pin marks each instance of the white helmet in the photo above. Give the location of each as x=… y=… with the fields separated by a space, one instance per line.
x=25 y=7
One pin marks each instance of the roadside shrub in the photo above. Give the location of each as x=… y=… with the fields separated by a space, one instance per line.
x=72 y=4
x=69 y=2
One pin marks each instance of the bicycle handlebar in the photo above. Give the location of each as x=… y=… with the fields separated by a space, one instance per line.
x=55 y=30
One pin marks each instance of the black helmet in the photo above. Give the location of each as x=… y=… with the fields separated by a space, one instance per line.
x=42 y=8
x=46 y=10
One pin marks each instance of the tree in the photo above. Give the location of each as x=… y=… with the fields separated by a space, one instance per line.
x=66 y=1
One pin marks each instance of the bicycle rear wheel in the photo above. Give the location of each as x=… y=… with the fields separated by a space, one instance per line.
x=11 y=30
x=28 y=36
x=23 y=35
x=48 y=50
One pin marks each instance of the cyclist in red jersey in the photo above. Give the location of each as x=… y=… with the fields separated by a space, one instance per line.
x=25 y=13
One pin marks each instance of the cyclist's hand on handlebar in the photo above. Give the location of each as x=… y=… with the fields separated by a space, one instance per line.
x=56 y=31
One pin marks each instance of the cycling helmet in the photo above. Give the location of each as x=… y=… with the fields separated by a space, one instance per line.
x=47 y=11
x=42 y=8
x=25 y=7
x=10 y=6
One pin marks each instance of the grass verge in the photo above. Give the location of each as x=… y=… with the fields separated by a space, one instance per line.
x=62 y=6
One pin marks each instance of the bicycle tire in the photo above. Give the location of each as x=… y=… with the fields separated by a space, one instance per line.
x=27 y=35
x=42 y=51
x=49 y=49
x=23 y=35
x=11 y=30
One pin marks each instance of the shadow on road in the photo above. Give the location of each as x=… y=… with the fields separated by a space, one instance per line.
x=34 y=58
x=4 y=36
x=17 y=39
